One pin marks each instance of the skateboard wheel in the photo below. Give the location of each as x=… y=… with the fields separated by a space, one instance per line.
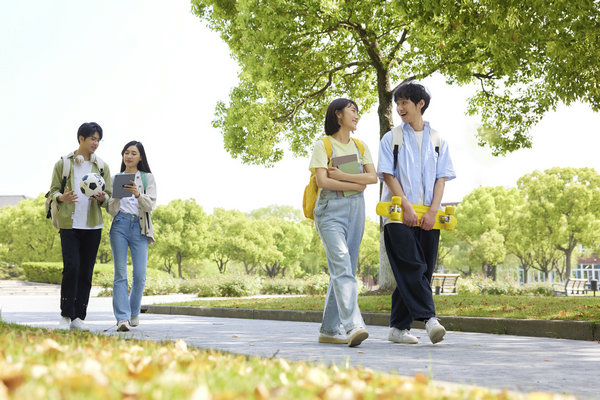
x=396 y=199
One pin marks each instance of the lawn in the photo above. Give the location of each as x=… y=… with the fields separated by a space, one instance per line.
x=520 y=307
x=39 y=363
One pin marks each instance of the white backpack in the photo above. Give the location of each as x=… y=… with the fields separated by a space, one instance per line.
x=398 y=135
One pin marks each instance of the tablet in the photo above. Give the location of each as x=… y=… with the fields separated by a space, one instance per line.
x=119 y=190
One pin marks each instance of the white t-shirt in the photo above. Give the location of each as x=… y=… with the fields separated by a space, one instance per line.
x=82 y=205
x=419 y=136
x=130 y=205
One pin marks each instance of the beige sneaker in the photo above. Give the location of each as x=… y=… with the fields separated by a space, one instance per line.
x=134 y=321
x=335 y=339
x=356 y=336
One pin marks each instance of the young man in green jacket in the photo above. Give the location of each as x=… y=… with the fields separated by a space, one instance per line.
x=80 y=224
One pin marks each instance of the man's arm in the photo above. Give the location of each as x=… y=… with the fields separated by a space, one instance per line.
x=428 y=219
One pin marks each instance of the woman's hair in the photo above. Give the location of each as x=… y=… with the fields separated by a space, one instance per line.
x=331 y=119
x=143 y=164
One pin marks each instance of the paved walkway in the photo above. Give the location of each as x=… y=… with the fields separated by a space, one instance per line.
x=517 y=363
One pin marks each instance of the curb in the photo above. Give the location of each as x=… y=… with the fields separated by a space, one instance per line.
x=576 y=330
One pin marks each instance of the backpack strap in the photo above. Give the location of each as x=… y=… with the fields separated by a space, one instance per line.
x=397 y=137
x=328 y=146
x=99 y=163
x=66 y=170
x=436 y=139
x=144 y=176
x=360 y=146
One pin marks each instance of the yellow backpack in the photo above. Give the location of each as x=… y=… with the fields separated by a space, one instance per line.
x=311 y=191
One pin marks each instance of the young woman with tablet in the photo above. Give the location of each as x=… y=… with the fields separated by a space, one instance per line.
x=131 y=228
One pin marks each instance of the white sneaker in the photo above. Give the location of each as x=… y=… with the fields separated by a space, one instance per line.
x=64 y=323
x=134 y=321
x=123 y=325
x=78 y=325
x=402 y=336
x=335 y=339
x=435 y=330
x=356 y=336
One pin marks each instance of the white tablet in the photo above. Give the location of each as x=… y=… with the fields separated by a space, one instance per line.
x=118 y=188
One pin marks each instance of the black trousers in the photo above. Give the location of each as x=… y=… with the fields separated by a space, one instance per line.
x=79 y=250
x=412 y=252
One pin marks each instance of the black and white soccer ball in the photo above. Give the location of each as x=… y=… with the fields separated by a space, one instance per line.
x=92 y=184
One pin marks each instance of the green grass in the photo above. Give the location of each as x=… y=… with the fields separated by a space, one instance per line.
x=519 y=307
x=44 y=364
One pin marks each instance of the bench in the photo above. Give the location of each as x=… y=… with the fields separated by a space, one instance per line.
x=573 y=287
x=444 y=283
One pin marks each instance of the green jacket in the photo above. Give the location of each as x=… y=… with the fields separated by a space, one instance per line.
x=66 y=209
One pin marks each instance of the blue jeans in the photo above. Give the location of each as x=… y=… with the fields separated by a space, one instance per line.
x=125 y=233
x=340 y=221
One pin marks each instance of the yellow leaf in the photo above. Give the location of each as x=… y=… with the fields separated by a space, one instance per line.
x=142 y=368
x=318 y=377
x=338 y=392
x=421 y=378
x=261 y=391
x=284 y=365
x=37 y=371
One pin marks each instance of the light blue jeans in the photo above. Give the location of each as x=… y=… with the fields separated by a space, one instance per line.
x=340 y=221
x=125 y=233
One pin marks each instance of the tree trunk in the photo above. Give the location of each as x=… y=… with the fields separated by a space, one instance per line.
x=179 y=264
x=386 y=123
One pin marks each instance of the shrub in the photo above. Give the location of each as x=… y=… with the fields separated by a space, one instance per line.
x=11 y=272
x=317 y=284
x=238 y=285
x=43 y=272
x=157 y=282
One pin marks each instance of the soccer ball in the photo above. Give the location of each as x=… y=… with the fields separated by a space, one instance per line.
x=92 y=184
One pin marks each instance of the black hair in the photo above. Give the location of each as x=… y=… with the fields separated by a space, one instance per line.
x=414 y=92
x=331 y=119
x=87 y=129
x=143 y=163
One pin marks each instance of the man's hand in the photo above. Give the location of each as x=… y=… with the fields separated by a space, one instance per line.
x=100 y=197
x=428 y=219
x=68 y=195
x=409 y=215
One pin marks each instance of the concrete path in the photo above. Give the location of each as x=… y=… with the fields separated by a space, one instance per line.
x=517 y=363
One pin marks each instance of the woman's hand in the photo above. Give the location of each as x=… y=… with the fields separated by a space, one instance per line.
x=335 y=173
x=133 y=189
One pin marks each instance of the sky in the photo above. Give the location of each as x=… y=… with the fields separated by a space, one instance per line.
x=152 y=71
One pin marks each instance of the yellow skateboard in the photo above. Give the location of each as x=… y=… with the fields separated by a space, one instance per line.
x=445 y=219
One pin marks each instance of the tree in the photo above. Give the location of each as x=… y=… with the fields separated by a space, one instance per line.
x=27 y=233
x=485 y=220
x=295 y=56
x=566 y=202
x=226 y=237
x=291 y=240
x=181 y=228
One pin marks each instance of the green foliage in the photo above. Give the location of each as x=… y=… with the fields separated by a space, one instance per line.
x=296 y=56
x=157 y=282
x=11 y=272
x=27 y=234
x=181 y=226
x=43 y=272
x=486 y=286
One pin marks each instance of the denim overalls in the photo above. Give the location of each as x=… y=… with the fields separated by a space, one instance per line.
x=340 y=222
